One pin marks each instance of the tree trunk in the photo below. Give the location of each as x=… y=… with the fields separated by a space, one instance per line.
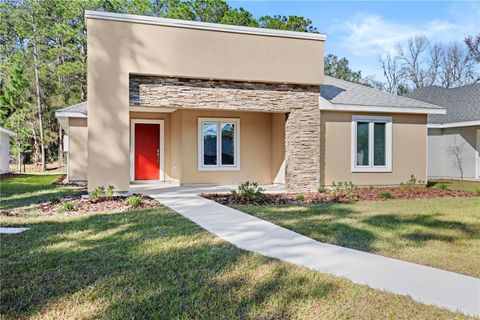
x=19 y=164
x=60 y=149
x=39 y=98
x=36 y=153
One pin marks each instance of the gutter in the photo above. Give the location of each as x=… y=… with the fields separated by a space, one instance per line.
x=454 y=124
x=328 y=106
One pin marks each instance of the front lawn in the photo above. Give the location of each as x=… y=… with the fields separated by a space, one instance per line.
x=442 y=233
x=24 y=190
x=155 y=264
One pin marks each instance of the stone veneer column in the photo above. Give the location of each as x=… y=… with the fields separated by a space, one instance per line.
x=302 y=149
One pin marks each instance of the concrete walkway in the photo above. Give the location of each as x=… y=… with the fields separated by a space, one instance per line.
x=428 y=285
x=6 y=230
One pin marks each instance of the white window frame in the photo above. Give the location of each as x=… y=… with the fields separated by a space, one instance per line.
x=388 y=144
x=219 y=166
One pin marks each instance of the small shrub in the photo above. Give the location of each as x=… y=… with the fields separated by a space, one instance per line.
x=441 y=186
x=300 y=198
x=97 y=193
x=109 y=191
x=385 y=194
x=345 y=188
x=249 y=192
x=135 y=201
x=411 y=183
x=102 y=193
x=67 y=207
x=321 y=190
x=55 y=200
x=430 y=184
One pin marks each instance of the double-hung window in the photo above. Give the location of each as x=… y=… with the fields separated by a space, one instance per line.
x=371 y=144
x=219 y=144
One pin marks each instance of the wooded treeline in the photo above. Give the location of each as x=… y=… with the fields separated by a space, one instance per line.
x=43 y=59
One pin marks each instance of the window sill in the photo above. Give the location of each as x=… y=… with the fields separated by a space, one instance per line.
x=371 y=169
x=219 y=169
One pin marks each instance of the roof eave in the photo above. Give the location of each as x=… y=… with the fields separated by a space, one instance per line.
x=384 y=109
x=62 y=114
x=8 y=132
x=454 y=124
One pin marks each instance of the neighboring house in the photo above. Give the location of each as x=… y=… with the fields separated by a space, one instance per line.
x=454 y=138
x=73 y=120
x=193 y=102
x=5 y=135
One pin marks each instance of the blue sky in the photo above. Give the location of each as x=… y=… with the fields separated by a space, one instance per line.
x=361 y=30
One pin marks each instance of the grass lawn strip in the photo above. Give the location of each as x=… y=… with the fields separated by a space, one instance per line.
x=442 y=233
x=25 y=190
x=154 y=263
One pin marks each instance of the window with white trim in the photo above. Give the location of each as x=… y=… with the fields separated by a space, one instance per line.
x=218 y=145
x=371 y=144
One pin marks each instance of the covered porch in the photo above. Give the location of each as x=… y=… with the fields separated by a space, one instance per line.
x=208 y=147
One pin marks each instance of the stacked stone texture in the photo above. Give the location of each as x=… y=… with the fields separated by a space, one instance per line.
x=302 y=129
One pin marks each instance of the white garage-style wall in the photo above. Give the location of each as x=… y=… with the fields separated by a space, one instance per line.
x=442 y=164
x=5 y=135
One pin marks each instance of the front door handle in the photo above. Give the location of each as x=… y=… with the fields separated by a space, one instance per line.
x=158 y=155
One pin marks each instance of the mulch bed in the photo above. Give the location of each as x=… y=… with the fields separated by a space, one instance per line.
x=7 y=175
x=62 y=181
x=362 y=194
x=83 y=206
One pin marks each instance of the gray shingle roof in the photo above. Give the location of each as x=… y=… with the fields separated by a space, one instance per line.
x=462 y=103
x=80 y=108
x=341 y=92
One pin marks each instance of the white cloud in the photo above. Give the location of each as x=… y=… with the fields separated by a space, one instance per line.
x=372 y=34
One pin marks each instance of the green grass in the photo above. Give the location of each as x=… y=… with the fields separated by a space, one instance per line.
x=442 y=233
x=459 y=184
x=155 y=264
x=22 y=191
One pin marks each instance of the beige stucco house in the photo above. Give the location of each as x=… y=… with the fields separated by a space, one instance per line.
x=192 y=102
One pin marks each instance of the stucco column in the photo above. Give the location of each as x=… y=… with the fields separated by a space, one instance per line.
x=302 y=148
x=108 y=111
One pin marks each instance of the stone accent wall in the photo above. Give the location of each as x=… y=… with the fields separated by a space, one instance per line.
x=302 y=129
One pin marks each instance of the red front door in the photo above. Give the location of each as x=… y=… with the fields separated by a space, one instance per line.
x=147 y=151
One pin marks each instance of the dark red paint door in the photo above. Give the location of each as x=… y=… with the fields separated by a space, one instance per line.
x=147 y=151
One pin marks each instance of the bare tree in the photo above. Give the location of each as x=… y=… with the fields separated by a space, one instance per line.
x=456 y=67
x=413 y=62
x=456 y=151
x=391 y=72
x=473 y=45
x=421 y=64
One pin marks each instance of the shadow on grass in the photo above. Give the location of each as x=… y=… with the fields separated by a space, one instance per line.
x=430 y=221
x=27 y=189
x=27 y=183
x=24 y=201
x=146 y=264
x=342 y=225
x=421 y=237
